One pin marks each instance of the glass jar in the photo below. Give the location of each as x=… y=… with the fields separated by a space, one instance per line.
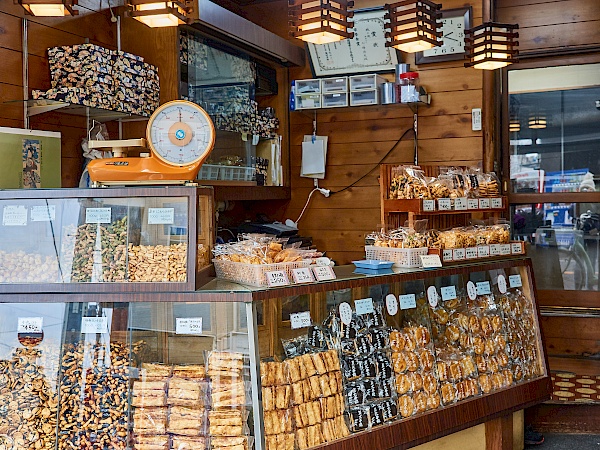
x=409 y=87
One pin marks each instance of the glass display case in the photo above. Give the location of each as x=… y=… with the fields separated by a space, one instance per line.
x=378 y=360
x=91 y=239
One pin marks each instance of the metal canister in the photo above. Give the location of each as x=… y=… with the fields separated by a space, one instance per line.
x=400 y=69
x=387 y=93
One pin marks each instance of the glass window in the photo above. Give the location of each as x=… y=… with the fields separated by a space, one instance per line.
x=554 y=119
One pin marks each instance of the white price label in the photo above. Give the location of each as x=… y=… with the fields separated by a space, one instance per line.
x=471 y=252
x=484 y=203
x=428 y=205
x=161 y=216
x=430 y=261
x=324 y=273
x=302 y=275
x=516 y=248
x=364 y=306
x=30 y=324
x=504 y=249
x=502 y=284
x=497 y=203
x=459 y=254
x=447 y=255
x=408 y=301
x=43 y=213
x=14 y=216
x=444 y=204
x=97 y=215
x=323 y=261
x=494 y=249
x=432 y=296
x=471 y=290
x=472 y=203
x=448 y=293
x=94 y=325
x=460 y=204
x=277 y=278
x=515 y=281
x=391 y=303
x=483 y=251
x=300 y=320
x=188 y=325
x=483 y=288
x=345 y=313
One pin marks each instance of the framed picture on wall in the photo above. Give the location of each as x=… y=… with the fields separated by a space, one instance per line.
x=365 y=52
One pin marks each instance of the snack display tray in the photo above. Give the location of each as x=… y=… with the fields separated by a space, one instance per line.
x=254 y=274
x=373 y=264
x=402 y=257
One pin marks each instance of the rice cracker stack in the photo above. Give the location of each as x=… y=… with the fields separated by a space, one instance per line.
x=227 y=419
x=277 y=394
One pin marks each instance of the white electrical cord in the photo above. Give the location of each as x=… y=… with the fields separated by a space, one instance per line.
x=325 y=192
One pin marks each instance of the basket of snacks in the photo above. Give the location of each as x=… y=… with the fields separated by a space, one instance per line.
x=403 y=246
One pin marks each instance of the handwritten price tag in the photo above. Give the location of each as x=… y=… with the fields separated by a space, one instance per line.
x=162 y=216
x=43 y=213
x=473 y=203
x=391 y=303
x=494 y=249
x=277 y=278
x=447 y=255
x=471 y=252
x=30 y=324
x=504 y=249
x=94 y=325
x=460 y=204
x=432 y=296
x=14 y=216
x=484 y=203
x=188 y=325
x=471 y=290
x=408 y=301
x=302 y=275
x=428 y=205
x=429 y=261
x=300 y=320
x=364 y=306
x=444 y=204
x=497 y=203
x=483 y=251
x=97 y=215
x=515 y=281
x=483 y=288
x=345 y=313
x=448 y=293
x=516 y=248
x=324 y=273
x=459 y=254
x=502 y=284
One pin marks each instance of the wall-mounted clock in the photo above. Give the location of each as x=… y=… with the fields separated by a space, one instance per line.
x=454 y=23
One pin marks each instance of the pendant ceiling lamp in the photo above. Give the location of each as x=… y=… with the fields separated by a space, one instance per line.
x=491 y=46
x=320 y=21
x=412 y=26
x=514 y=125
x=157 y=14
x=537 y=121
x=49 y=8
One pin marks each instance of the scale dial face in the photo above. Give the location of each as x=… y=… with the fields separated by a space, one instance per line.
x=180 y=133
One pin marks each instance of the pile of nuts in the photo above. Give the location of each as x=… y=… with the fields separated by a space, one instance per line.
x=157 y=262
x=22 y=267
x=28 y=404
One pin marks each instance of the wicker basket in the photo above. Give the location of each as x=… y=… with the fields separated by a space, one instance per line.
x=402 y=257
x=254 y=274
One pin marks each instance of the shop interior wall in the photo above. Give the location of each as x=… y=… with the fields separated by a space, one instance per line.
x=42 y=34
x=360 y=137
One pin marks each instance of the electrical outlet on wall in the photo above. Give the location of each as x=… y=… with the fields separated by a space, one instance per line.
x=476 y=119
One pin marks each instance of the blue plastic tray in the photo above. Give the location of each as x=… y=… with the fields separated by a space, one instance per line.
x=373 y=264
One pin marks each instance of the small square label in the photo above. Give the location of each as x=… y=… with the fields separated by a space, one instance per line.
x=302 y=275
x=408 y=301
x=364 y=306
x=483 y=251
x=277 y=278
x=459 y=254
x=484 y=203
x=497 y=203
x=504 y=249
x=444 y=204
x=472 y=203
x=460 y=204
x=471 y=252
x=494 y=249
x=447 y=255
x=428 y=205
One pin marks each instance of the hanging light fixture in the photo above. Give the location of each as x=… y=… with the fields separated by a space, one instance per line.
x=514 y=125
x=413 y=25
x=320 y=21
x=158 y=13
x=537 y=121
x=49 y=8
x=491 y=46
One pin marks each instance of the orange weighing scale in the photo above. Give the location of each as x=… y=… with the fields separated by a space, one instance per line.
x=180 y=135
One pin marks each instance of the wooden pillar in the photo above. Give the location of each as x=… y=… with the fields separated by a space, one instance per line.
x=499 y=433
x=490 y=101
